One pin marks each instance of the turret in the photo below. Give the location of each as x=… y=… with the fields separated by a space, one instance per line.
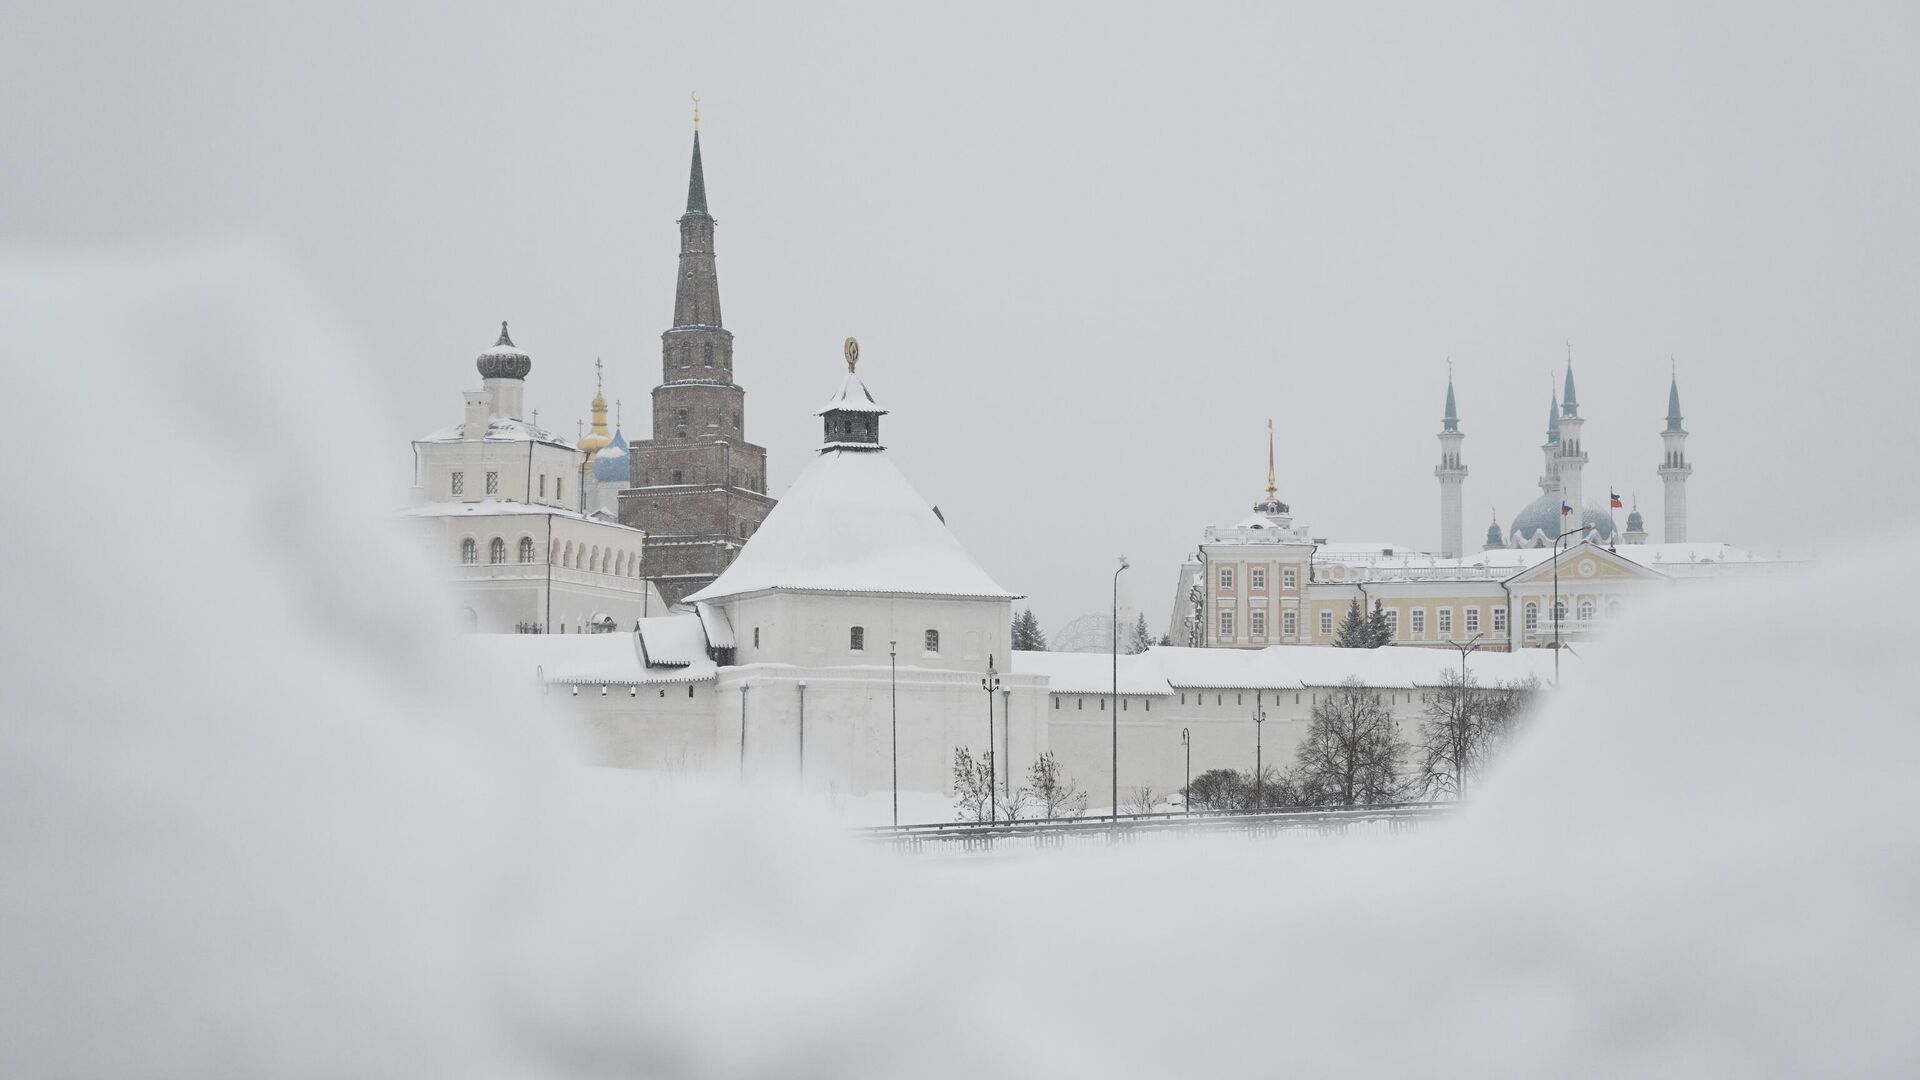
x=1451 y=473
x=1494 y=542
x=851 y=419
x=1674 y=467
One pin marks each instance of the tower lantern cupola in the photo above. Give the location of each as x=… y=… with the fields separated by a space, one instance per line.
x=503 y=371
x=852 y=417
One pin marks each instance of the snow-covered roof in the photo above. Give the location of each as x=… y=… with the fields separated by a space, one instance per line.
x=673 y=640
x=580 y=658
x=1092 y=673
x=715 y=622
x=852 y=523
x=499 y=429
x=1504 y=562
x=501 y=508
x=1163 y=670
x=853 y=397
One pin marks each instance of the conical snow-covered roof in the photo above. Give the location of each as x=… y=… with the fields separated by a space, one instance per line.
x=853 y=523
x=853 y=397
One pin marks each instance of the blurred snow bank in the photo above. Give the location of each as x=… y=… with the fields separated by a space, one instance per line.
x=257 y=823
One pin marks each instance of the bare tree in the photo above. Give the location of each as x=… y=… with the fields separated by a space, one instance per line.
x=1352 y=752
x=1218 y=789
x=1053 y=790
x=1140 y=800
x=1463 y=726
x=1504 y=712
x=973 y=795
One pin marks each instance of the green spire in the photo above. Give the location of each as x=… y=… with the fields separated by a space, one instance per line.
x=1569 y=403
x=1451 y=422
x=1553 y=419
x=697 y=182
x=1673 y=405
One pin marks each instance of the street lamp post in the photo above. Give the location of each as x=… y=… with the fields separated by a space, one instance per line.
x=803 y=733
x=990 y=684
x=1113 y=703
x=1259 y=772
x=1460 y=719
x=1186 y=793
x=1556 y=598
x=893 y=680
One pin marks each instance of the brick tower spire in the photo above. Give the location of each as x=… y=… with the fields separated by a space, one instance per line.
x=699 y=487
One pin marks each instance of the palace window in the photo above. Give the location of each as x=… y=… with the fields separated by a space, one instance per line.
x=1226 y=577
x=1499 y=620
x=1289 y=577
x=1257 y=622
x=469 y=551
x=526 y=549
x=1257 y=578
x=1445 y=618
x=1326 y=623
x=1393 y=621
x=1532 y=617
x=497 y=551
x=493 y=483
x=1226 y=624
x=1613 y=609
x=933 y=642
x=1559 y=611
x=459 y=482
x=1473 y=620
x=857 y=639
x=1586 y=611
x=1419 y=622
x=1289 y=625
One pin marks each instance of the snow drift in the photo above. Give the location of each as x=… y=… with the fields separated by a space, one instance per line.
x=258 y=823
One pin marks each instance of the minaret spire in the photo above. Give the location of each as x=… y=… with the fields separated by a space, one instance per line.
x=1451 y=473
x=1273 y=487
x=1674 y=466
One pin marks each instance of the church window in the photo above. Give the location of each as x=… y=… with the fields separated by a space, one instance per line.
x=1226 y=577
x=1289 y=577
x=1532 y=617
x=1257 y=622
x=493 y=483
x=933 y=642
x=497 y=551
x=1586 y=611
x=469 y=551
x=857 y=639
x=526 y=549
x=1499 y=620
x=1445 y=618
x=459 y=482
x=1326 y=623
x=1288 y=626
x=1257 y=579
x=1473 y=620
x=1226 y=624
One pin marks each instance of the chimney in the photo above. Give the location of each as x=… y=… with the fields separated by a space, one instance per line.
x=479 y=408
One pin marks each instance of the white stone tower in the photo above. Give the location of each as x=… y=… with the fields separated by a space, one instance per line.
x=1572 y=458
x=1451 y=472
x=1674 y=468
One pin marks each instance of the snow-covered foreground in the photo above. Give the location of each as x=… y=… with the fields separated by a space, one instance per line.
x=258 y=824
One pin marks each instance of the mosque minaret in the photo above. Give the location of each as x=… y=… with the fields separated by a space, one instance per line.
x=1571 y=462
x=1674 y=468
x=1451 y=473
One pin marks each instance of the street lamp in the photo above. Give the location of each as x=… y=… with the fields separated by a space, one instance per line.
x=1113 y=702
x=1186 y=793
x=1556 y=598
x=893 y=679
x=1259 y=773
x=990 y=684
x=1460 y=719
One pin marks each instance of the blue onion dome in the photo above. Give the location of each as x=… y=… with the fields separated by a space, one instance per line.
x=1539 y=523
x=610 y=464
x=1634 y=523
x=504 y=360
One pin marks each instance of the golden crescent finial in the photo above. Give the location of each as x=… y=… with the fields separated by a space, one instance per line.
x=696 y=110
x=852 y=351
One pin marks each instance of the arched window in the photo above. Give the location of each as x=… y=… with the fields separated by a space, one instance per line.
x=526 y=549
x=857 y=638
x=566 y=557
x=1559 y=611
x=469 y=551
x=1613 y=609
x=933 y=642
x=1586 y=611
x=497 y=551
x=593 y=560
x=1533 y=616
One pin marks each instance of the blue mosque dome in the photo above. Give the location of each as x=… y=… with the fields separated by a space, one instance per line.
x=610 y=464
x=1541 y=519
x=1493 y=536
x=1634 y=522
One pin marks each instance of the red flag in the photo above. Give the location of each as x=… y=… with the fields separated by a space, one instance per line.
x=1616 y=498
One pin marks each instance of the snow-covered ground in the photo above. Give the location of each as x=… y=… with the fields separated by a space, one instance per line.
x=258 y=823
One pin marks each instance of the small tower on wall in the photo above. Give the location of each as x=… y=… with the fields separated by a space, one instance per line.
x=1451 y=473
x=1674 y=467
x=1571 y=459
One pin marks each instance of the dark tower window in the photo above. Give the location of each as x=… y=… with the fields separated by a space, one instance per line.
x=686 y=355
x=676 y=476
x=707 y=360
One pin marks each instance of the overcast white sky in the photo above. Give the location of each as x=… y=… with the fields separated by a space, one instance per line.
x=1088 y=250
